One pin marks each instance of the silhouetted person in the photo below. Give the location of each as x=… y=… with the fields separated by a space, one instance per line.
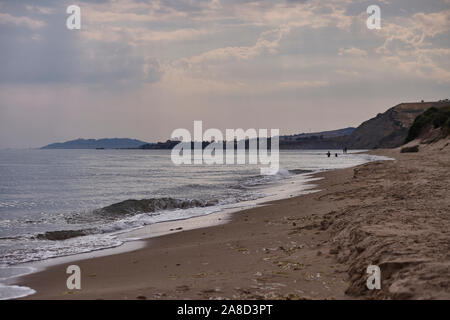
x=328 y=154
x=335 y=155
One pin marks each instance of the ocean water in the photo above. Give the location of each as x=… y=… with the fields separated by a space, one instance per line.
x=61 y=202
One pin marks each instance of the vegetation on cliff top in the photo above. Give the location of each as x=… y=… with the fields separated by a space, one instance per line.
x=432 y=118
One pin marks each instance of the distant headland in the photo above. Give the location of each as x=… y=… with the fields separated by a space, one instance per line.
x=110 y=143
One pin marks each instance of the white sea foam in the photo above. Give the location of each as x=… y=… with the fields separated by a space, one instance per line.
x=14 y=292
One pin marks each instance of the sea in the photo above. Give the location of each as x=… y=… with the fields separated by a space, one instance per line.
x=56 y=203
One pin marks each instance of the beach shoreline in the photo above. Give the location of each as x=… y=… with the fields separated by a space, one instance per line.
x=282 y=250
x=171 y=237
x=136 y=238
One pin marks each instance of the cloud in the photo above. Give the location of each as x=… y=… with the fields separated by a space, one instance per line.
x=140 y=36
x=144 y=67
x=353 y=52
x=128 y=11
x=195 y=74
x=39 y=9
x=408 y=44
x=6 y=18
x=306 y=14
x=268 y=41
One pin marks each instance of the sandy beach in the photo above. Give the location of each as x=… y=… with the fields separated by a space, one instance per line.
x=393 y=214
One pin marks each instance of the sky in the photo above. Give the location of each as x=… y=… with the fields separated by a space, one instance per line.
x=141 y=69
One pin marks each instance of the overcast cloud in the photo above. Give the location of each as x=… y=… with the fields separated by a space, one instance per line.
x=141 y=68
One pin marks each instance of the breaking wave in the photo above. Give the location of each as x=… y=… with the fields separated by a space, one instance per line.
x=120 y=210
x=63 y=234
x=131 y=206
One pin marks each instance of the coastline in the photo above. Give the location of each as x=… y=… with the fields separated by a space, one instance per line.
x=282 y=250
x=167 y=233
x=135 y=238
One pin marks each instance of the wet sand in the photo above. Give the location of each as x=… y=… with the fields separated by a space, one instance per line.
x=317 y=246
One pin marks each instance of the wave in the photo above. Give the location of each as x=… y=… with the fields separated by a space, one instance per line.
x=299 y=171
x=119 y=210
x=63 y=234
x=132 y=206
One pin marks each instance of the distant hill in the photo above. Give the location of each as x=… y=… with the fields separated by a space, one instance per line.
x=334 y=139
x=114 y=143
x=323 y=134
x=169 y=144
x=389 y=129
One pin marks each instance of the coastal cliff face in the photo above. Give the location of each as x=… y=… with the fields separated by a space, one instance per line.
x=388 y=129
